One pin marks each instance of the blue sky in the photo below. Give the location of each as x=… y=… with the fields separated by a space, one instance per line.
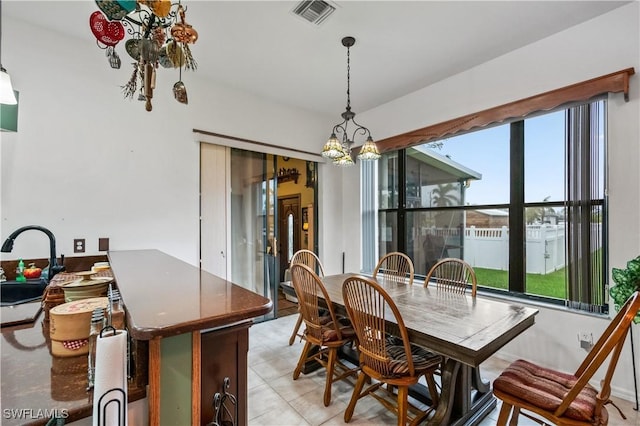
x=487 y=151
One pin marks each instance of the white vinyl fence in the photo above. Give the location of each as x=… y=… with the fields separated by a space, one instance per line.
x=489 y=248
x=545 y=249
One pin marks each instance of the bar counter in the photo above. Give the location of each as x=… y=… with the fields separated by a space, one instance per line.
x=168 y=303
x=165 y=296
x=194 y=320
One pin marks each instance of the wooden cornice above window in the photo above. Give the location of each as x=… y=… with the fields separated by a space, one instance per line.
x=611 y=83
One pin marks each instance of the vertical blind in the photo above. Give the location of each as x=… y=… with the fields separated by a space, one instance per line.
x=585 y=208
x=369 y=213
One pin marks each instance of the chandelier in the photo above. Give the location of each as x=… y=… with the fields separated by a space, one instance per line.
x=340 y=151
x=159 y=37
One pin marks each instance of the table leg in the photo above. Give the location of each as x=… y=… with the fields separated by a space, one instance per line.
x=445 y=406
x=465 y=399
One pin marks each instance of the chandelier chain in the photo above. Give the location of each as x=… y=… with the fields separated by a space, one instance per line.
x=348 y=79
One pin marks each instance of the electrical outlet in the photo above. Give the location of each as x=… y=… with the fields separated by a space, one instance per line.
x=78 y=245
x=586 y=340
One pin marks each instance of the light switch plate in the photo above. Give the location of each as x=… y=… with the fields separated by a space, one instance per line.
x=103 y=244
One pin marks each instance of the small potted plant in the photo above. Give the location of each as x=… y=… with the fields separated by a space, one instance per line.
x=627 y=281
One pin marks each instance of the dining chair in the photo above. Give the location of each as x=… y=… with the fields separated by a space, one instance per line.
x=309 y=258
x=565 y=398
x=386 y=354
x=452 y=275
x=327 y=334
x=395 y=266
x=455 y=276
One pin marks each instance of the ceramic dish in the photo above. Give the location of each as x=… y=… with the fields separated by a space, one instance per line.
x=86 y=287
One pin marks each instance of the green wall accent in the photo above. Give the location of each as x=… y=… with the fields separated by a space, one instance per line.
x=175 y=380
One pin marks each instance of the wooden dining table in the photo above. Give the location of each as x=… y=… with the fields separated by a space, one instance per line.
x=465 y=330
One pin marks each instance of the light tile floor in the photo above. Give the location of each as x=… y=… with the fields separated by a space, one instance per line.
x=276 y=399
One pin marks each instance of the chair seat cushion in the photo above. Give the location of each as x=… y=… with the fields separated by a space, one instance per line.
x=329 y=333
x=546 y=388
x=422 y=359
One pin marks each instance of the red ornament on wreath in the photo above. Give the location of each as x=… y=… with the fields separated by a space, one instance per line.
x=106 y=32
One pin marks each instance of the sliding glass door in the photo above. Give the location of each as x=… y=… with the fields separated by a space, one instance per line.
x=256 y=210
x=253 y=224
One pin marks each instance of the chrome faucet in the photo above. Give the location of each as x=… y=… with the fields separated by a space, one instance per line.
x=54 y=268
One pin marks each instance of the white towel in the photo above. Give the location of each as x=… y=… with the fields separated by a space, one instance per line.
x=110 y=388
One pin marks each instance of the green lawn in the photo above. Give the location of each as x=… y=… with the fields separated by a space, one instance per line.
x=550 y=285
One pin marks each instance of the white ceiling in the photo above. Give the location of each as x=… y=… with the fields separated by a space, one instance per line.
x=401 y=46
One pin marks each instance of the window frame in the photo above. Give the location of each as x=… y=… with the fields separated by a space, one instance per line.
x=516 y=206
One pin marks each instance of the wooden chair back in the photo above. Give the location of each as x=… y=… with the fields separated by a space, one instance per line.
x=395 y=266
x=309 y=291
x=309 y=258
x=452 y=275
x=610 y=342
x=609 y=345
x=371 y=310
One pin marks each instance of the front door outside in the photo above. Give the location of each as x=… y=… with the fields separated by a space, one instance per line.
x=289 y=213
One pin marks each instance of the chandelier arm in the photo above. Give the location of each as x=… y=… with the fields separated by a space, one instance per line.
x=131 y=30
x=360 y=130
x=147 y=18
x=365 y=131
x=143 y=17
x=340 y=128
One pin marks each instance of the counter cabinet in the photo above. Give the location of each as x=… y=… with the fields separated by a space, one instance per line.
x=196 y=325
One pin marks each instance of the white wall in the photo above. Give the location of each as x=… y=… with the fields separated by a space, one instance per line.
x=606 y=44
x=86 y=163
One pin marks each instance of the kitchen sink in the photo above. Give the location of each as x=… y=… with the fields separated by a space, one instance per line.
x=15 y=293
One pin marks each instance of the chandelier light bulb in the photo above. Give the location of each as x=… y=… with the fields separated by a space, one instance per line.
x=369 y=150
x=333 y=148
x=344 y=161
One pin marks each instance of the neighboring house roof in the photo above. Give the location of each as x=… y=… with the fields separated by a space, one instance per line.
x=446 y=169
x=492 y=212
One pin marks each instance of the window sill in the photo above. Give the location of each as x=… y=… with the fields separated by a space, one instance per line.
x=538 y=303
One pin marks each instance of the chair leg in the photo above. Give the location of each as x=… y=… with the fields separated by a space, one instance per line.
x=403 y=405
x=295 y=330
x=433 y=389
x=302 y=360
x=514 y=416
x=348 y=413
x=504 y=414
x=333 y=354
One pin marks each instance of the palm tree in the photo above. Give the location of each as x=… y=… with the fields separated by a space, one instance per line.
x=445 y=195
x=539 y=213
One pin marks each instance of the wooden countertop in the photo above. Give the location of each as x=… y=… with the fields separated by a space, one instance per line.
x=165 y=296
x=34 y=381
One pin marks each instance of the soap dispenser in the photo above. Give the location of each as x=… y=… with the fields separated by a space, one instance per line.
x=20 y=272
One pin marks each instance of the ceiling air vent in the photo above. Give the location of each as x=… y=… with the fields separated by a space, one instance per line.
x=314 y=11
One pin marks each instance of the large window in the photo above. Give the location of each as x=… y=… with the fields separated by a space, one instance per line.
x=522 y=202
